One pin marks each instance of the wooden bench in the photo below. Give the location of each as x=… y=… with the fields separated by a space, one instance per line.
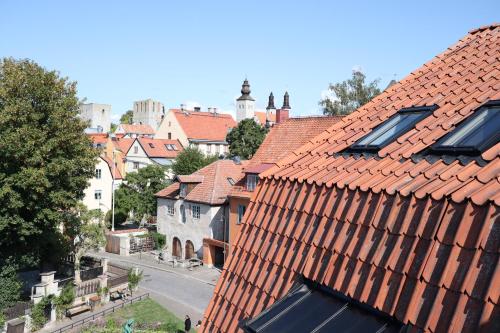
x=77 y=309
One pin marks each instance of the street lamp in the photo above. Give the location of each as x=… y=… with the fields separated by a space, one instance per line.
x=113 y=136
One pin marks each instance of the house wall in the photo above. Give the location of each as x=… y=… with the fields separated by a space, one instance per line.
x=172 y=126
x=104 y=184
x=210 y=224
x=234 y=228
x=139 y=157
x=215 y=148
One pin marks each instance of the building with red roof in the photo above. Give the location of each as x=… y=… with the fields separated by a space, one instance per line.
x=205 y=130
x=135 y=130
x=146 y=151
x=193 y=214
x=388 y=220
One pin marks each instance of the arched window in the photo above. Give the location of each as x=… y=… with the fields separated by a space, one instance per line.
x=176 y=248
x=189 y=250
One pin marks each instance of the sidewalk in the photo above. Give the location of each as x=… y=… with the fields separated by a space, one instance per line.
x=201 y=274
x=86 y=316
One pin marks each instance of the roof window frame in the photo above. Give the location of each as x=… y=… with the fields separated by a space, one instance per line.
x=457 y=149
x=424 y=112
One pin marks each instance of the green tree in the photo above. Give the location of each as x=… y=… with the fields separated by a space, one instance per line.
x=134 y=277
x=137 y=193
x=113 y=127
x=45 y=159
x=245 y=139
x=127 y=117
x=190 y=160
x=349 y=95
x=64 y=300
x=10 y=291
x=90 y=235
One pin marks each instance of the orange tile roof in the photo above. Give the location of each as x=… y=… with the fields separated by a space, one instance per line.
x=214 y=187
x=157 y=147
x=98 y=138
x=138 y=129
x=117 y=174
x=415 y=237
x=262 y=117
x=204 y=125
x=283 y=139
x=123 y=144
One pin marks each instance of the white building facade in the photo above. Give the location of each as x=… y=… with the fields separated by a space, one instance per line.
x=245 y=104
x=98 y=117
x=98 y=195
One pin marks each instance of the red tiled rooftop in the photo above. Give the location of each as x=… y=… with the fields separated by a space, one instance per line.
x=117 y=173
x=204 y=125
x=138 y=129
x=158 y=147
x=214 y=187
x=262 y=117
x=123 y=144
x=416 y=237
x=98 y=138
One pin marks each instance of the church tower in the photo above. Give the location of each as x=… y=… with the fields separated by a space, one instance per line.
x=245 y=104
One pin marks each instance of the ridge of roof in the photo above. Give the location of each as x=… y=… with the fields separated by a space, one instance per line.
x=485 y=27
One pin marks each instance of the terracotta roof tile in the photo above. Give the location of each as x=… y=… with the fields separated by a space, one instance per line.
x=214 y=187
x=137 y=129
x=412 y=234
x=204 y=125
x=160 y=148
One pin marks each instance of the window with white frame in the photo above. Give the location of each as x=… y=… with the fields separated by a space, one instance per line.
x=136 y=165
x=98 y=194
x=170 y=209
x=98 y=173
x=136 y=150
x=195 y=212
x=251 y=182
x=241 y=212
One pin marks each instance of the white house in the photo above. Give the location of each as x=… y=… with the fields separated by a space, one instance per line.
x=146 y=151
x=194 y=209
x=98 y=193
x=205 y=130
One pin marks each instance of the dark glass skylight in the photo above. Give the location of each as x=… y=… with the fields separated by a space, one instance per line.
x=476 y=134
x=307 y=308
x=404 y=120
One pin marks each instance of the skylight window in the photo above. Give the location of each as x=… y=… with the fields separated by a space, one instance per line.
x=476 y=134
x=169 y=147
x=404 y=120
x=151 y=145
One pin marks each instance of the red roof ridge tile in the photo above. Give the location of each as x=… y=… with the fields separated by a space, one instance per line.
x=484 y=27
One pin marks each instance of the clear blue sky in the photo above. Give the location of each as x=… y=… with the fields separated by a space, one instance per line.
x=178 y=51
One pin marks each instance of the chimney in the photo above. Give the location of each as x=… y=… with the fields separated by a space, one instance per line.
x=209 y=109
x=183 y=107
x=197 y=109
x=282 y=115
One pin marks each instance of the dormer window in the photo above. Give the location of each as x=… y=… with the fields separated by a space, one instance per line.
x=251 y=182
x=476 y=134
x=183 y=190
x=151 y=145
x=382 y=135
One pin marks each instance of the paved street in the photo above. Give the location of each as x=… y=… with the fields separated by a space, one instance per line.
x=179 y=290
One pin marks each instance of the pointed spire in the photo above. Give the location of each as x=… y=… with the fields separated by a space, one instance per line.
x=245 y=91
x=270 y=103
x=286 y=101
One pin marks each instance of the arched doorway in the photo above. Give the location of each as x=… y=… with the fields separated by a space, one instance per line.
x=176 y=248
x=189 y=250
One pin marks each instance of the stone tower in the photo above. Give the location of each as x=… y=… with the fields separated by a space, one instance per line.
x=245 y=104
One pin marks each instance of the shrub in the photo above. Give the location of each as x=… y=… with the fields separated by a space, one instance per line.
x=64 y=300
x=40 y=314
x=159 y=239
x=10 y=290
x=133 y=279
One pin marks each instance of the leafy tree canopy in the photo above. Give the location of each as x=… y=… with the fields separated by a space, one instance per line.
x=245 y=139
x=137 y=193
x=127 y=117
x=349 y=95
x=10 y=291
x=45 y=159
x=190 y=160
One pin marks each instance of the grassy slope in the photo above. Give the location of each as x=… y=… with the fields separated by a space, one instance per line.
x=146 y=311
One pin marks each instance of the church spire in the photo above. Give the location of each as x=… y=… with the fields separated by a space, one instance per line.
x=270 y=103
x=286 y=101
x=245 y=92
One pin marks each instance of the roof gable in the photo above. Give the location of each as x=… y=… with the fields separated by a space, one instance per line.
x=158 y=147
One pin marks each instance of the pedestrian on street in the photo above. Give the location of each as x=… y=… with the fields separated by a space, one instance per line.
x=187 y=324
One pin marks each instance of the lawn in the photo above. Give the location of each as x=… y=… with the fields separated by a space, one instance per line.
x=148 y=315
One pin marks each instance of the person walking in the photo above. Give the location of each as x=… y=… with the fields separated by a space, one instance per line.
x=187 y=324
